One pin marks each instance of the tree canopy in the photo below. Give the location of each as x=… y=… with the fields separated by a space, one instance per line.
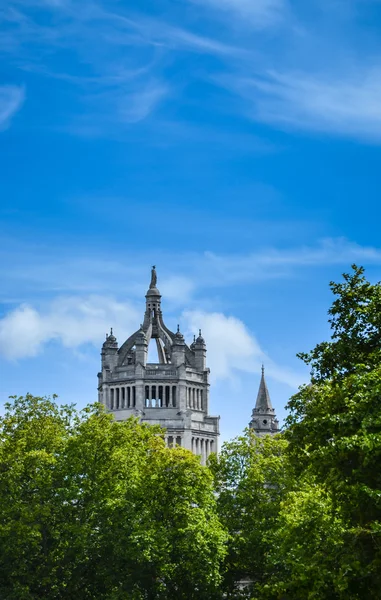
x=93 y=508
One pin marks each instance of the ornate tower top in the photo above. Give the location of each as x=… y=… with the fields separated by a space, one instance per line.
x=154 y=328
x=263 y=418
x=170 y=388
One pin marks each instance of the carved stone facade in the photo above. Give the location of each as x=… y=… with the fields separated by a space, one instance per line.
x=263 y=418
x=173 y=393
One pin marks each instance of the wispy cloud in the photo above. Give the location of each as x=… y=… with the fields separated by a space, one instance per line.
x=347 y=104
x=193 y=274
x=118 y=71
x=122 y=63
x=273 y=262
x=11 y=100
x=161 y=34
x=260 y=13
x=140 y=104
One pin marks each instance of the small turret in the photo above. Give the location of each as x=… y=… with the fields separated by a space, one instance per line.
x=200 y=353
x=109 y=352
x=141 y=346
x=178 y=349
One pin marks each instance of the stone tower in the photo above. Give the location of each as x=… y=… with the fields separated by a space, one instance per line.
x=173 y=393
x=263 y=418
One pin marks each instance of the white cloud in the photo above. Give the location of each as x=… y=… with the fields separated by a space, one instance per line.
x=72 y=321
x=11 y=100
x=345 y=103
x=75 y=321
x=233 y=349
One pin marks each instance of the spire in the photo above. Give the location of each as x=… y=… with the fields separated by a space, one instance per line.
x=263 y=403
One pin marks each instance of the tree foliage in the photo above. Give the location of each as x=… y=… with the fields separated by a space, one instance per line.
x=252 y=477
x=93 y=508
x=305 y=521
x=334 y=434
x=355 y=320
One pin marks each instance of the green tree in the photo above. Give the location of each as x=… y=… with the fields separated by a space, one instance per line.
x=334 y=435
x=304 y=509
x=355 y=320
x=253 y=476
x=93 y=508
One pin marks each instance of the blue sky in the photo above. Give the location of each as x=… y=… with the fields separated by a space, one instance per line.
x=233 y=143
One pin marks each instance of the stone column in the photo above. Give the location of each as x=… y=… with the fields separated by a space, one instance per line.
x=170 y=397
x=139 y=391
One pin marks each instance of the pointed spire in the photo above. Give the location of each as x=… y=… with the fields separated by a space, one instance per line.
x=263 y=403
